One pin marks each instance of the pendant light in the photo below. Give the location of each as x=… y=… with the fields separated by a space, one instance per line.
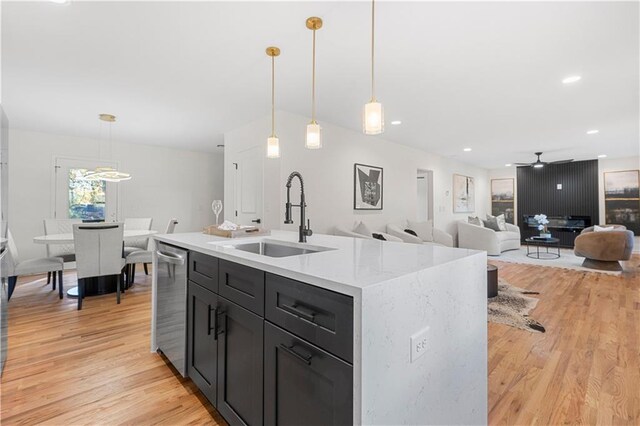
x=313 y=138
x=108 y=174
x=373 y=113
x=273 y=143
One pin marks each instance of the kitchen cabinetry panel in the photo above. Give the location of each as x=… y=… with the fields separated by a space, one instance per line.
x=203 y=270
x=242 y=285
x=240 y=364
x=323 y=317
x=202 y=343
x=304 y=385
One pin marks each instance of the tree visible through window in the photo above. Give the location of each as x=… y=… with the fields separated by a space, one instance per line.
x=86 y=197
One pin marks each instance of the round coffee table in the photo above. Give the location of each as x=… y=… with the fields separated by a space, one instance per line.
x=544 y=243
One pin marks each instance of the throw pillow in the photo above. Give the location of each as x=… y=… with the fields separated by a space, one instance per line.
x=379 y=236
x=475 y=220
x=603 y=228
x=424 y=230
x=409 y=231
x=363 y=229
x=389 y=237
x=491 y=224
x=502 y=222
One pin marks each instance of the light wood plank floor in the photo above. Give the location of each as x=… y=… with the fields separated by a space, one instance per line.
x=94 y=366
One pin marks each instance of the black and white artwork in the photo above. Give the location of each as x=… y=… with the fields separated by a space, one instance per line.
x=622 y=199
x=464 y=194
x=367 y=190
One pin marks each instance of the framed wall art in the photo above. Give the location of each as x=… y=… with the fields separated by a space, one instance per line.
x=367 y=187
x=503 y=199
x=622 y=199
x=464 y=194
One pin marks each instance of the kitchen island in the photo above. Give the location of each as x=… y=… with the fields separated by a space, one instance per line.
x=402 y=326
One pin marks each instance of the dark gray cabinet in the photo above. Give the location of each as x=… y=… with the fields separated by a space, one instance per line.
x=303 y=384
x=294 y=368
x=202 y=339
x=240 y=364
x=242 y=285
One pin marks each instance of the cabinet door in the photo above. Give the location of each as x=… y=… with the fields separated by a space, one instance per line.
x=304 y=385
x=202 y=343
x=240 y=364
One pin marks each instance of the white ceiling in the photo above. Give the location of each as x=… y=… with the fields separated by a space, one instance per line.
x=485 y=75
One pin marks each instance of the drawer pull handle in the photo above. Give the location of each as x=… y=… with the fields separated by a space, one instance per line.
x=215 y=324
x=307 y=314
x=290 y=350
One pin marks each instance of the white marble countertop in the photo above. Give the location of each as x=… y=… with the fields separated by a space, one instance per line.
x=352 y=265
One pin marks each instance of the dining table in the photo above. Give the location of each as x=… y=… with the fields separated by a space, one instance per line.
x=97 y=285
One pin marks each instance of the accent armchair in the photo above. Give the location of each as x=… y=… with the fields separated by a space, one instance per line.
x=604 y=250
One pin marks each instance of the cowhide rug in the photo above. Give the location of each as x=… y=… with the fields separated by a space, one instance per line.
x=511 y=307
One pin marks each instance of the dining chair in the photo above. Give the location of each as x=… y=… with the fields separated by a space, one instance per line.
x=99 y=252
x=144 y=256
x=32 y=267
x=133 y=224
x=65 y=251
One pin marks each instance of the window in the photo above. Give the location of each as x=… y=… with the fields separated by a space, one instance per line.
x=86 y=197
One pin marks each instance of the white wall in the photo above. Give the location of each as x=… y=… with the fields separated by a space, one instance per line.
x=328 y=175
x=166 y=183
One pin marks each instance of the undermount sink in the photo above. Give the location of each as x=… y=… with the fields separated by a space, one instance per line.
x=273 y=249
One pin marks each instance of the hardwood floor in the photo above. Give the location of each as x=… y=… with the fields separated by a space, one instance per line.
x=69 y=367
x=94 y=366
x=586 y=368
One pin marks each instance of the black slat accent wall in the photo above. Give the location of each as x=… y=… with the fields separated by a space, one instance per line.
x=537 y=193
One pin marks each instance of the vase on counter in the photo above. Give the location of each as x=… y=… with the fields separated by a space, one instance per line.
x=216 y=206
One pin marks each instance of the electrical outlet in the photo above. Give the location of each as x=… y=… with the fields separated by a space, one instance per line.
x=419 y=344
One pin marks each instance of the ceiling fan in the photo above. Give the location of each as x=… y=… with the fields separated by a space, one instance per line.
x=539 y=163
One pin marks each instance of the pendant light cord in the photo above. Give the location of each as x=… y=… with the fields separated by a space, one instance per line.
x=273 y=97
x=313 y=80
x=373 y=23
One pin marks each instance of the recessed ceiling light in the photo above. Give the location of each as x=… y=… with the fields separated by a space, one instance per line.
x=508 y=165
x=593 y=132
x=602 y=156
x=59 y=1
x=396 y=122
x=467 y=149
x=571 y=79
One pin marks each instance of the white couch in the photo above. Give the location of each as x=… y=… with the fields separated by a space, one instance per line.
x=480 y=238
x=344 y=232
x=439 y=237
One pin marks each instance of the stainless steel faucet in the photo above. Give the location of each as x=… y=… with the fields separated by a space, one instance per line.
x=303 y=232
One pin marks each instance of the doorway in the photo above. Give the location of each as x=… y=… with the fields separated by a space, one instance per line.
x=248 y=189
x=424 y=196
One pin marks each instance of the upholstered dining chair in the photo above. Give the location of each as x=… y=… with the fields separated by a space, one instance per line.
x=133 y=224
x=32 y=267
x=144 y=256
x=65 y=251
x=99 y=252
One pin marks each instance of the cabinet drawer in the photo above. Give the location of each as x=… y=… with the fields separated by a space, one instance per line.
x=242 y=285
x=320 y=316
x=203 y=270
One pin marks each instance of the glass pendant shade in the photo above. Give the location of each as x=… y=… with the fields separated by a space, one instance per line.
x=373 y=118
x=313 y=139
x=273 y=147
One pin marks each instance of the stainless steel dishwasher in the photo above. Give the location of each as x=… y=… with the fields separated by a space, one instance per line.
x=171 y=304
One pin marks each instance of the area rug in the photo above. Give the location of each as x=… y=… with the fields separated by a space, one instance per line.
x=567 y=260
x=512 y=306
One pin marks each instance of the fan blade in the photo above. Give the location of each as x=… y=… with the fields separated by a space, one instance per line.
x=523 y=164
x=561 y=161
